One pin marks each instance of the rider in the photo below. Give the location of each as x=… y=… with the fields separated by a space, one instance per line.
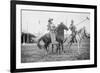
x=73 y=29
x=51 y=28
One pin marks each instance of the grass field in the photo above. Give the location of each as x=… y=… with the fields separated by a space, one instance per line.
x=31 y=53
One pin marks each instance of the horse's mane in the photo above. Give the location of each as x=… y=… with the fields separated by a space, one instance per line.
x=79 y=31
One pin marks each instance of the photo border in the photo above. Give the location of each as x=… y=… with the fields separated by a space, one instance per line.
x=13 y=35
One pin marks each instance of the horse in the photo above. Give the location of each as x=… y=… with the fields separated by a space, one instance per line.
x=59 y=32
x=80 y=35
x=60 y=35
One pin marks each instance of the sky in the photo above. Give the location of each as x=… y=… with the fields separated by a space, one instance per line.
x=35 y=22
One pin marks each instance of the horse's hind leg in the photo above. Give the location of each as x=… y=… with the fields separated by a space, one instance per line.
x=60 y=48
x=57 y=49
x=46 y=48
x=70 y=45
x=45 y=51
x=78 y=47
x=63 y=48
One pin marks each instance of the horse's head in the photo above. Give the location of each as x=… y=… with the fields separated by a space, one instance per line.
x=63 y=26
x=86 y=34
x=83 y=32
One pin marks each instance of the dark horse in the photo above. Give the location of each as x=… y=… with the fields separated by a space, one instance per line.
x=59 y=31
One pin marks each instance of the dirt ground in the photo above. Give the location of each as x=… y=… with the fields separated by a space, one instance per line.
x=31 y=53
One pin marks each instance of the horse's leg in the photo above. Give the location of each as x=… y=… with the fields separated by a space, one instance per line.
x=52 y=48
x=62 y=47
x=45 y=47
x=78 y=47
x=59 y=48
x=45 y=50
x=70 y=44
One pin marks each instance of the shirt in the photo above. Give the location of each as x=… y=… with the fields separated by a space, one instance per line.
x=72 y=28
x=51 y=27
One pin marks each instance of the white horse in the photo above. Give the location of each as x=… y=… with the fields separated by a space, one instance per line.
x=80 y=35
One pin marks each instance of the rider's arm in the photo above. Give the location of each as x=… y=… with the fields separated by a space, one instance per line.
x=48 y=27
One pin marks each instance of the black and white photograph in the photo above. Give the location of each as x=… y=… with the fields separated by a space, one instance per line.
x=53 y=35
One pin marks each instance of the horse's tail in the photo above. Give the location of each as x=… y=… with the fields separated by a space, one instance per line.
x=38 y=43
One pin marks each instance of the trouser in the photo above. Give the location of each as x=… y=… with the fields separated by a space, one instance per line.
x=73 y=37
x=53 y=37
